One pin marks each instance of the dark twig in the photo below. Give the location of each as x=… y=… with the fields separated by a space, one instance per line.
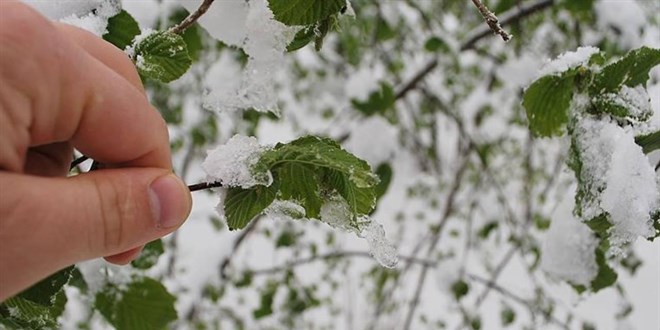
x=192 y=18
x=77 y=162
x=491 y=20
x=204 y=185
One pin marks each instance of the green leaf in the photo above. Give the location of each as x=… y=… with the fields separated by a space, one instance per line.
x=122 y=29
x=298 y=182
x=360 y=200
x=162 y=56
x=302 y=38
x=192 y=36
x=384 y=172
x=508 y=316
x=379 y=102
x=149 y=256
x=600 y=225
x=435 y=44
x=242 y=205
x=460 y=288
x=320 y=153
x=304 y=12
x=485 y=231
x=631 y=70
x=547 y=103
x=44 y=292
x=649 y=142
x=267 y=297
x=143 y=304
x=606 y=275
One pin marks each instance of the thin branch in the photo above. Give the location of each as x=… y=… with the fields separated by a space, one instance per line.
x=333 y=255
x=204 y=185
x=491 y=20
x=237 y=244
x=509 y=17
x=192 y=18
x=449 y=210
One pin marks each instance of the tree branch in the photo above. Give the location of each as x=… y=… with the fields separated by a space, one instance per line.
x=509 y=17
x=491 y=20
x=192 y=18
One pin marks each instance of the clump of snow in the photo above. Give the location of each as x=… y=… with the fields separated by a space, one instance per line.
x=88 y=15
x=632 y=191
x=337 y=213
x=285 y=210
x=595 y=141
x=568 y=60
x=569 y=248
x=620 y=180
x=265 y=43
x=232 y=162
x=635 y=99
x=380 y=247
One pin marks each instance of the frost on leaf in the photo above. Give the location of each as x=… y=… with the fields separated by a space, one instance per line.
x=568 y=251
x=285 y=210
x=231 y=163
x=632 y=103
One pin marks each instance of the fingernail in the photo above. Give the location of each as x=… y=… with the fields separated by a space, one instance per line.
x=170 y=201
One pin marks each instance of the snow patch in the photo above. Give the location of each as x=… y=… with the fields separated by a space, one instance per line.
x=569 y=248
x=88 y=15
x=568 y=60
x=231 y=163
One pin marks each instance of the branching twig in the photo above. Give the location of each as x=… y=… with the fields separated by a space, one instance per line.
x=491 y=20
x=192 y=18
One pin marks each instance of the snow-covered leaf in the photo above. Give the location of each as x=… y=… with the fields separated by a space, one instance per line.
x=162 y=56
x=649 y=142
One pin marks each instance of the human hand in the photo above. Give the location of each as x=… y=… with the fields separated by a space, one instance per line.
x=63 y=88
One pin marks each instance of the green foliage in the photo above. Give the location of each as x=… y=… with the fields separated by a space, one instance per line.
x=305 y=171
x=460 y=288
x=384 y=172
x=547 y=102
x=242 y=205
x=149 y=256
x=631 y=70
x=436 y=44
x=649 y=142
x=122 y=29
x=39 y=306
x=379 y=102
x=162 y=56
x=507 y=315
x=142 y=304
x=266 y=304
x=304 y=12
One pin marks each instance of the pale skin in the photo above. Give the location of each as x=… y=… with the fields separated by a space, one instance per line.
x=63 y=88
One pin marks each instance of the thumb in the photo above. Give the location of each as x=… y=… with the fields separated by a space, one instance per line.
x=50 y=223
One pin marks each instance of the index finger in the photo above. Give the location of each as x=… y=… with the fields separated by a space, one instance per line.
x=56 y=91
